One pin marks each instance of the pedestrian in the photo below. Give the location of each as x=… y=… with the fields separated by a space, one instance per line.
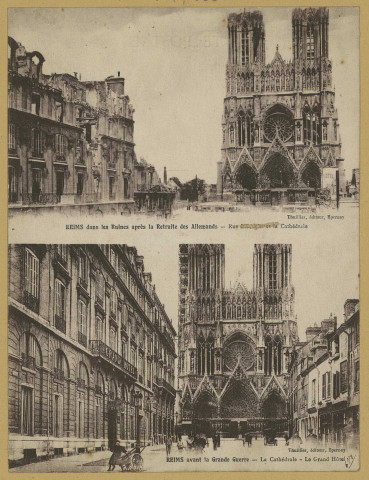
x=312 y=439
x=218 y=439
x=117 y=452
x=215 y=442
x=168 y=445
x=295 y=439
x=249 y=439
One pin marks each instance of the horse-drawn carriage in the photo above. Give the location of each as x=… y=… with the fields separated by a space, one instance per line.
x=197 y=443
x=131 y=461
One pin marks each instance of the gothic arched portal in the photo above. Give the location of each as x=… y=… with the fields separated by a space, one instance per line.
x=279 y=172
x=311 y=175
x=205 y=406
x=246 y=176
x=273 y=406
x=240 y=401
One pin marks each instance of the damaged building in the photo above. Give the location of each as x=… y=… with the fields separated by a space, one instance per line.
x=70 y=142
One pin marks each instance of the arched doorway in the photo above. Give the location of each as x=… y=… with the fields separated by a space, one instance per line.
x=278 y=172
x=273 y=406
x=311 y=175
x=246 y=177
x=205 y=406
x=240 y=401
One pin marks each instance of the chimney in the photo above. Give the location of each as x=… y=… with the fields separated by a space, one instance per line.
x=165 y=176
x=116 y=84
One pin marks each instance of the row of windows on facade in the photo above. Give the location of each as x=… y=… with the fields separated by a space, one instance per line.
x=133 y=286
x=124 y=275
x=31 y=359
x=115 y=127
x=118 y=315
x=125 y=420
x=302 y=398
x=61 y=146
x=244 y=132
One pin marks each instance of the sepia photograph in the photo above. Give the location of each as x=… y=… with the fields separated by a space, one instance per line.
x=219 y=366
x=183 y=239
x=162 y=111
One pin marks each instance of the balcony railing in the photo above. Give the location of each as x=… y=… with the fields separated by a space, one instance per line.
x=40 y=198
x=28 y=361
x=87 y=198
x=32 y=302
x=60 y=324
x=82 y=339
x=60 y=157
x=104 y=351
x=37 y=153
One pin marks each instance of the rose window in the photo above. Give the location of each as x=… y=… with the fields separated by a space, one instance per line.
x=278 y=122
x=239 y=351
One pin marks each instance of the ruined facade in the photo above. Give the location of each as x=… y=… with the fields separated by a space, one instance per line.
x=234 y=345
x=70 y=142
x=281 y=141
x=91 y=351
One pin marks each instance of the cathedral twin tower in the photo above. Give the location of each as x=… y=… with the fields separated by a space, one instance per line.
x=280 y=126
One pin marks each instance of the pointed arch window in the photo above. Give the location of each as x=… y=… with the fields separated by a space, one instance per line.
x=307 y=124
x=210 y=355
x=244 y=47
x=273 y=270
x=250 y=131
x=241 y=130
x=310 y=45
x=201 y=356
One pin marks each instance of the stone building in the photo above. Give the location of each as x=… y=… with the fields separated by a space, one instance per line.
x=281 y=141
x=91 y=351
x=234 y=345
x=324 y=381
x=70 y=142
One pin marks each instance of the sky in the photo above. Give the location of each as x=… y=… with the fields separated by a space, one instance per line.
x=173 y=61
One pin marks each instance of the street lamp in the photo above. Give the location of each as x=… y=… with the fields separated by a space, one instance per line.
x=137 y=395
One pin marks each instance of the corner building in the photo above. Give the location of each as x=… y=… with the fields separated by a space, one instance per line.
x=234 y=345
x=91 y=351
x=281 y=141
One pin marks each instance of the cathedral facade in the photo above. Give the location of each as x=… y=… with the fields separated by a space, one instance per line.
x=234 y=345
x=281 y=141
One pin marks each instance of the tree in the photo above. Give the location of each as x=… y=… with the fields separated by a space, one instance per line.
x=192 y=189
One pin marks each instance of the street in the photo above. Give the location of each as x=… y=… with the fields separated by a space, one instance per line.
x=230 y=456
